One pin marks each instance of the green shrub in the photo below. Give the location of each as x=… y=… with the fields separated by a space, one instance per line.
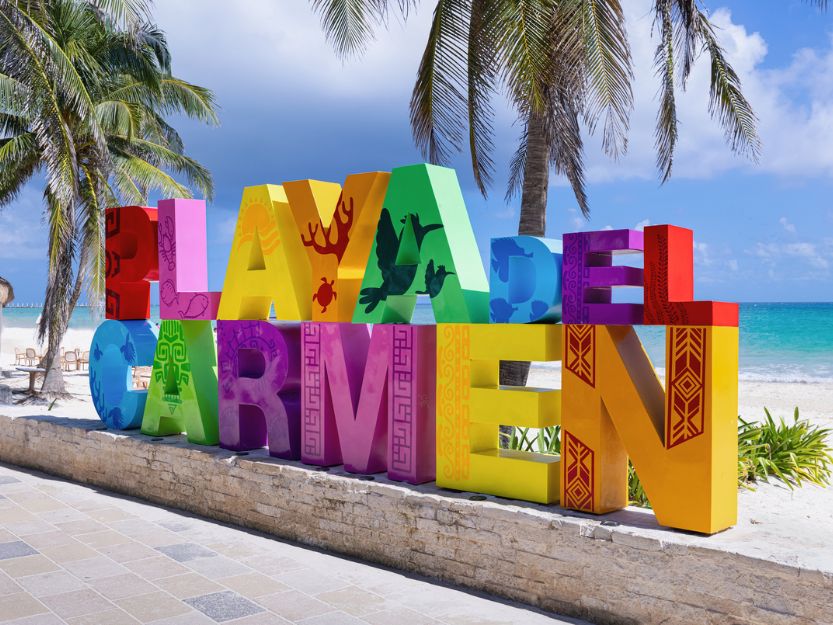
x=794 y=452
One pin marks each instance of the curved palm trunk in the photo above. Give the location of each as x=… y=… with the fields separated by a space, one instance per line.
x=1 y=332
x=533 y=222
x=53 y=382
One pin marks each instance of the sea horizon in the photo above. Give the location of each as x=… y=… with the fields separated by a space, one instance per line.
x=779 y=341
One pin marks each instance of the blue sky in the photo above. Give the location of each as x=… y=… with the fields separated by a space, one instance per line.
x=291 y=109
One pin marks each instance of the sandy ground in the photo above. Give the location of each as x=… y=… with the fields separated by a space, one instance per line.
x=774 y=522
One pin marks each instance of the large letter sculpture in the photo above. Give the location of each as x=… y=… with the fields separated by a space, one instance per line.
x=471 y=406
x=183 y=262
x=183 y=389
x=359 y=387
x=683 y=443
x=669 y=282
x=118 y=347
x=424 y=245
x=589 y=275
x=337 y=229
x=260 y=386
x=525 y=282
x=131 y=260
x=267 y=263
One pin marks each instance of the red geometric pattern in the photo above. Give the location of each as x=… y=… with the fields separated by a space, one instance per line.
x=686 y=392
x=580 y=352
x=577 y=459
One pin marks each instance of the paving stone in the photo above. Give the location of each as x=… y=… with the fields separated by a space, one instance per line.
x=334 y=618
x=39 y=619
x=49 y=539
x=8 y=586
x=107 y=538
x=398 y=616
x=224 y=606
x=253 y=585
x=70 y=552
x=94 y=568
x=108 y=617
x=152 y=606
x=52 y=583
x=8 y=479
x=127 y=552
x=294 y=605
x=156 y=567
x=188 y=585
x=122 y=586
x=185 y=552
x=217 y=567
x=29 y=565
x=15 y=549
x=353 y=600
x=76 y=603
x=19 y=605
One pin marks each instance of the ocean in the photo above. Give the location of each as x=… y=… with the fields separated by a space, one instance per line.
x=779 y=342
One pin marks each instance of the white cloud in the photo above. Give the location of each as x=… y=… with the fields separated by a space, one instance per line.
x=794 y=105
x=817 y=257
x=642 y=224
x=786 y=225
x=269 y=49
x=703 y=254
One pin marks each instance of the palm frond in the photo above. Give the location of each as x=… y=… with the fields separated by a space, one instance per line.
x=482 y=53
x=727 y=102
x=438 y=106
x=609 y=72
x=145 y=176
x=161 y=156
x=350 y=24
x=666 y=130
x=524 y=46
x=179 y=96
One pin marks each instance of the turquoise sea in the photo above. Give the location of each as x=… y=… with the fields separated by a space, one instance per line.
x=784 y=342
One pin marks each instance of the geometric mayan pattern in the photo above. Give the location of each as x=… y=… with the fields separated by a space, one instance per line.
x=313 y=414
x=580 y=352
x=686 y=388
x=577 y=459
x=402 y=389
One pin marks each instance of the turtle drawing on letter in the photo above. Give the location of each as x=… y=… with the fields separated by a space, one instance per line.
x=325 y=294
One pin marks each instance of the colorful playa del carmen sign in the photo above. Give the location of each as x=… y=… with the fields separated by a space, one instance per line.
x=345 y=378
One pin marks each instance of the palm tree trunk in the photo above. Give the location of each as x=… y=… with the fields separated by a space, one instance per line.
x=53 y=382
x=533 y=222
x=1 y=333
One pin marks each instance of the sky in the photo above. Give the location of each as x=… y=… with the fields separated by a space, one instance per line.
x=291 y=109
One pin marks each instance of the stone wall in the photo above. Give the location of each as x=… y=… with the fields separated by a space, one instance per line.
x=541 y=556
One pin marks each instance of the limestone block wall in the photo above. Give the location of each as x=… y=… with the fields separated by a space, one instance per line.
x=568 y=564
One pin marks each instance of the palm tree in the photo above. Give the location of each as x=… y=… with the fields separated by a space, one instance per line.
x=565 y=65
x=6 y=298
x=85 y=90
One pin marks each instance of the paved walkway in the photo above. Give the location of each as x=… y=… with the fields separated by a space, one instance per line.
x=72 y=554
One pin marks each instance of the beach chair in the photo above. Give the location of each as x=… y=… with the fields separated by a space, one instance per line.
x=84 y=360
x=70 y=359
x=32 y=357
x=19 y=356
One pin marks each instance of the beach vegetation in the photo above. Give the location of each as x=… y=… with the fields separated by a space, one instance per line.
x=792 y=452
x=86 y=94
